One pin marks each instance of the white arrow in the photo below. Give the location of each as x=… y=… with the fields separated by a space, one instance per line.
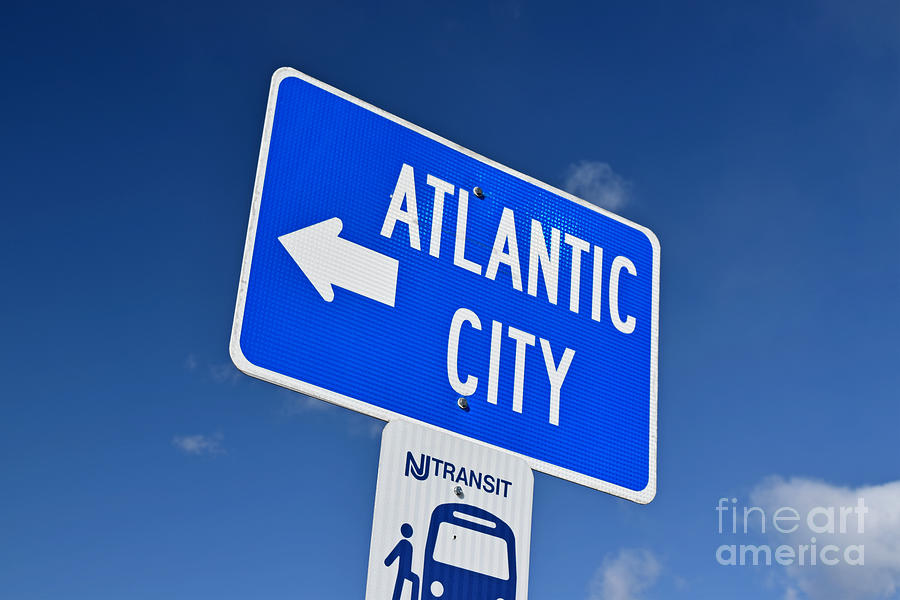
x=327 y=259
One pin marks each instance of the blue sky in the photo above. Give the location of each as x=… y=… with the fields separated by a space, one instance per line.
x=760 y=141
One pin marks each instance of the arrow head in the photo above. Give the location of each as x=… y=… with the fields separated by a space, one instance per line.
x=311 y=248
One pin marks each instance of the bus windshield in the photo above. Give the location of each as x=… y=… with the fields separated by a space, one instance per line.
x=454 y=547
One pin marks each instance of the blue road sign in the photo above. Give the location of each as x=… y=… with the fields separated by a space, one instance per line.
x=392 y=272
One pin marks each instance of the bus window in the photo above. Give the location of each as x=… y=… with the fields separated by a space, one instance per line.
x=454 y=544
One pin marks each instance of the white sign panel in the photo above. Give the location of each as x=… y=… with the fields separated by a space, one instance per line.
x=452 y=519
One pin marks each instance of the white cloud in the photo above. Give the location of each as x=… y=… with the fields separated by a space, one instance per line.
x=224 y=373
x=199 y=444
x=369 y=427
x=596 y=182
x=358 y=425
x=298 y=404
x=625 y=576
x=878 y=531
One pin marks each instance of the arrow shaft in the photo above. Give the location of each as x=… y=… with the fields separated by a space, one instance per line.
x=364 y=271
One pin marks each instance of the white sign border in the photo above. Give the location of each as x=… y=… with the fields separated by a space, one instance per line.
x=643 y=496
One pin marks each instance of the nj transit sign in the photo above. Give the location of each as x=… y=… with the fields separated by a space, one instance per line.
x=452 y=519
x=391 y=271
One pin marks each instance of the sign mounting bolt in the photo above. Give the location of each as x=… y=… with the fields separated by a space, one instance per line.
x=479 y=193
x=463 y=403
x=458 y=491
